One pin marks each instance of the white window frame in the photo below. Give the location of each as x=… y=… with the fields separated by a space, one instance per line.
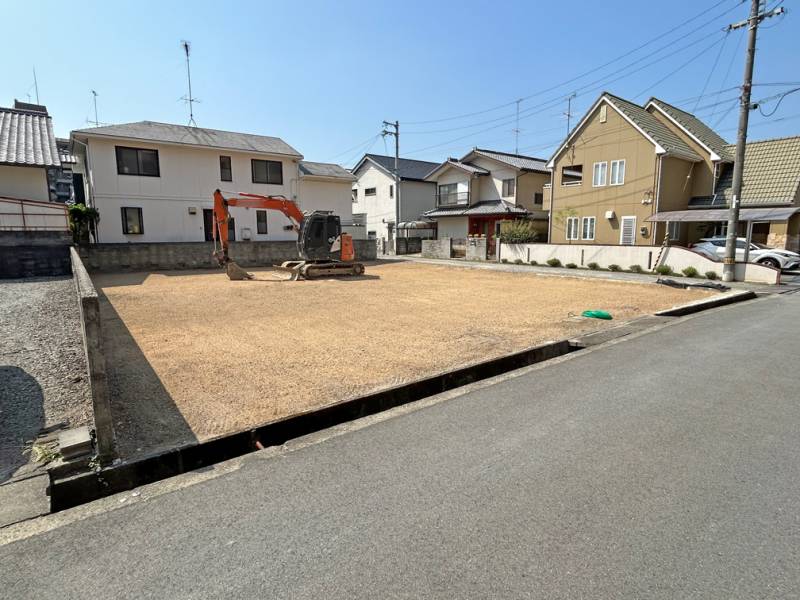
x=674 y=230
x=584 y=221
x=617 y=164
x=603 y=179
x=622 y=230
x=572 y=235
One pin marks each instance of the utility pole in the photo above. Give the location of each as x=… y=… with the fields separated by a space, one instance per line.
x=569 y=109
x=396 y=133
x=516 y=130
x=756 y=16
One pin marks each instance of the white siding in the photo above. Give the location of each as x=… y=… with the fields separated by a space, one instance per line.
x=416 y=198
x=327 y=195
x=453 y=227
x=188 y=177
x=379 y=208
x=24 y=183
x=491 y=186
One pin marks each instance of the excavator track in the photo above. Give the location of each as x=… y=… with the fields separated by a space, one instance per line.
x=314 y=269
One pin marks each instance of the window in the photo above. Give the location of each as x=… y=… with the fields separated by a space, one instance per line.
x=137 y=161
x=674 y=229
x=538 y=198
x=572 y=175
x=572 y=228
x=391 y=191
x=355 y=194
x=132 y=220
x=509 y=187
x=587 y=228
x=599 y=174
x=369 y=192
x=627 y=231
x=267 y=171
x=603 y=113
x=617 y=172
x=225 y=171
x=261 y=221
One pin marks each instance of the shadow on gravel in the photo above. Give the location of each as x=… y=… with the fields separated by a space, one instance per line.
x=21 y=417
x=145 y=416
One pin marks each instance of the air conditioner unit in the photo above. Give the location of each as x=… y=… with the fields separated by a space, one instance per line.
x=610 y=214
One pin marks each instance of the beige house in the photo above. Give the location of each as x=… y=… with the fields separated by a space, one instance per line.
x=635 y=175
x=484 y=188
x=27 y=150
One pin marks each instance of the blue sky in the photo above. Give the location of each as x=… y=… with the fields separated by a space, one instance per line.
x=323 y=75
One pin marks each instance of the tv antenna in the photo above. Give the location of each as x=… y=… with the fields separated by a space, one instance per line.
x=189 y=98
x=94 y=99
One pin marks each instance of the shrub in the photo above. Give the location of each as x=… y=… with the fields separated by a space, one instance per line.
x=82 y=219
x=519 y=232
x=518 y=261
x=690 y=272
x=593 y=266
x=636 y=269
x=571 y=266
x=554 y=262
x=504 y=260
x=614 y=268
x=711 y=275
x=534 y=263
x=664 y=270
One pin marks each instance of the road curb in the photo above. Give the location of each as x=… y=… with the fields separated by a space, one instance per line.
x=707 y=303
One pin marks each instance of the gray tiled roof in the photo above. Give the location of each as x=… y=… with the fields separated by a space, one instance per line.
x=195 y=136
x=464 y=166
x=771 y=173
x=486 y=207
x=662 y=135
x=697 y=128
x=27 y=138
x=318 y=169
x=414 y=170
x=518 y=161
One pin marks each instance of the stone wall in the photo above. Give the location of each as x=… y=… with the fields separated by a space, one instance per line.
x=89 y=305
x=34 y=254
x=440 y=248
x=476 y=248
x=196 y=255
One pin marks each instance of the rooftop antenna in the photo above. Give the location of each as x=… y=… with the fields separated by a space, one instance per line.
x=190 y=99
x=94 y=99
x=516 y=130
x=36 y=85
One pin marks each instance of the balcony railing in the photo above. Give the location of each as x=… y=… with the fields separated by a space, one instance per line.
x=453 y=199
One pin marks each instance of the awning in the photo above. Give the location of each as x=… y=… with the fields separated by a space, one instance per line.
x=745 y=214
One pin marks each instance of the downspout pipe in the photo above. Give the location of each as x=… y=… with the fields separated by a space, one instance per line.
x=658 y=194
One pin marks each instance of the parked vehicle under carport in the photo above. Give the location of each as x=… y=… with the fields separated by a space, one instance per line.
x=777 y=258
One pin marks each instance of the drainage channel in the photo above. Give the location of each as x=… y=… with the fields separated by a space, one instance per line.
x=69 y=491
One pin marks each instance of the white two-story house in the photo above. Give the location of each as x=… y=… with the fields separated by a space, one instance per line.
x=484 y=187
x=154 y=182
x=374 y=201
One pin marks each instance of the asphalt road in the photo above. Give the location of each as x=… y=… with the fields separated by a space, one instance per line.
x=665 y=466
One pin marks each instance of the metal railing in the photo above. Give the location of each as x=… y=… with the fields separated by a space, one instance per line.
x=452 y=199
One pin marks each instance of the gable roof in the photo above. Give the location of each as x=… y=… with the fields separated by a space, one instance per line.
x=771 y=173
x=695 y=128
x=327 y=170
x=664 y=140
x=485 y=207
x=410 y=170
x=27 y=138
x=152 y=131
x=518 y=161
x=456 y=164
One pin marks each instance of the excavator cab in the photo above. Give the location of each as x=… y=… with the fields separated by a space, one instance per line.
x=319 y=237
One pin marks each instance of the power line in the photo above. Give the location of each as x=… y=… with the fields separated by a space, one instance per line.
x=730 y=64
x=713 y=69
x=359 y=145
x=780 y=99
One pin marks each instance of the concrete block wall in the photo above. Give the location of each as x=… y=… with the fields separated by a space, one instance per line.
x=412 y=245
x=196 y=255
x=95 y=359
x=476 y=248
x=34 y=254
x=440 y=248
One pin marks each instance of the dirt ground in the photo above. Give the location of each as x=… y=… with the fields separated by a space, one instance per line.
x=192 y=355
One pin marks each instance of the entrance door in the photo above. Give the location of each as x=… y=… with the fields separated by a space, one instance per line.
x=208 y=226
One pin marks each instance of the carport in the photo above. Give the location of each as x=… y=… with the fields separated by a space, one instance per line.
x=750 y=216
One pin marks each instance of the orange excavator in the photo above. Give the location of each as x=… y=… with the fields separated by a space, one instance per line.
x=322 y=247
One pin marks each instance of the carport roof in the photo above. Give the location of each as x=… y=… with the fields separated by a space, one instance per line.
x=745 y=214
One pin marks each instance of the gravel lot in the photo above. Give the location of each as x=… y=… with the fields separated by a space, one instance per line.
x=42 y=365
x=192 y=355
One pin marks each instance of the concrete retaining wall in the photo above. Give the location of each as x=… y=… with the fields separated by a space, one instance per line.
x=645 y=256
x=412 y=245
x=196 y=255
x=440 y=248
x=95 y=360
x=34 y=254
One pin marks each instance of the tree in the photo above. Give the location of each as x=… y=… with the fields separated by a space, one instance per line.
x=82 y=220
x=563 y=215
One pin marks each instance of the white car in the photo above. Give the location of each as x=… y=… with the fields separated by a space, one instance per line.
x=777 y=258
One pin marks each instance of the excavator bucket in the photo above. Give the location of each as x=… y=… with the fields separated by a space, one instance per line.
x=237 y=273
